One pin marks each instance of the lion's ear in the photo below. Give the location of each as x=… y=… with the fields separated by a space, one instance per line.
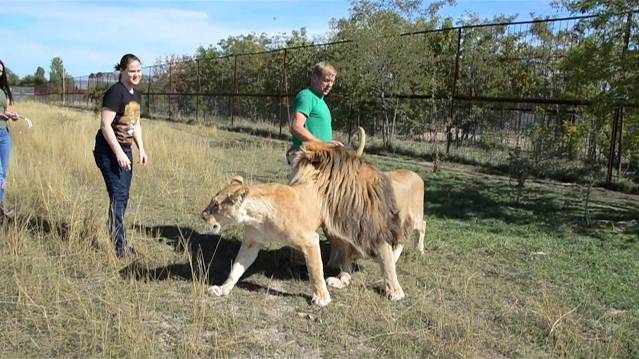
x=237 y=179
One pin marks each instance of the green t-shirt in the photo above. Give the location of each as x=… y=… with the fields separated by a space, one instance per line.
x=318 y=116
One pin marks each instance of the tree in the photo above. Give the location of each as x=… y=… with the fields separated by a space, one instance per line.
x=380 y=64
x=39 y=77
x=57 y=70
x=12 y=78
x=603 y=69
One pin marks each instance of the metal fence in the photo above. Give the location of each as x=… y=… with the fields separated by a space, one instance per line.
x=470 y=85
x=22 y=92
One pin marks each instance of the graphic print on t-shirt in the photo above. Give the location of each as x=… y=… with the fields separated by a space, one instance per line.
x=126 y=125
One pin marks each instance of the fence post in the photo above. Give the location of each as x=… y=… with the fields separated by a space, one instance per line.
x=617 y=126
x=63 y=88
x=234 y=97
x=619 y=141
x=148 y=94
x=285 y=84
x=199 y=91
x=613 y=145
x=451 y=113
x=170 y=88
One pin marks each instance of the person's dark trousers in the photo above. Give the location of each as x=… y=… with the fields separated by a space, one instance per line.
x=118 y=183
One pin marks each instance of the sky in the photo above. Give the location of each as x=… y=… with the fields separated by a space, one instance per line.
x=91 y=36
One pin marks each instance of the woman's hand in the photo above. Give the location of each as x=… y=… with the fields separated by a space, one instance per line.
x=11 y=115
x=143 y=158
x=123 y=161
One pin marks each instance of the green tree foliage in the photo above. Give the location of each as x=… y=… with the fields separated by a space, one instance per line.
x=56 y=71
x=380 y=65
x=12 y=78
x=40 y=76
x=405 y=70
x=604 y=67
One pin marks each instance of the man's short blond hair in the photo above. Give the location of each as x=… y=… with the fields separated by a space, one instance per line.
x=323 y=68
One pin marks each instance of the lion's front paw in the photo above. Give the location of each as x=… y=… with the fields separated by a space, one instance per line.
x=343 y=280
x=217 y=291
x=394 y=295
x=335 y=282
x=321 y=300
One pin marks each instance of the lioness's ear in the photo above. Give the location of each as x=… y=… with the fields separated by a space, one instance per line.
x=237 y=179
x=238 y=197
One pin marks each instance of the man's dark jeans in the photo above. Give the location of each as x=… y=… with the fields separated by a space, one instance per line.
x=118 y=183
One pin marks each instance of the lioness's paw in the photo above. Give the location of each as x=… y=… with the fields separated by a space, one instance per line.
x=321 y=300
x=217 y=291
x=395 y=295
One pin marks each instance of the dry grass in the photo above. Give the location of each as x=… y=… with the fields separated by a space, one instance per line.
x=497 y=282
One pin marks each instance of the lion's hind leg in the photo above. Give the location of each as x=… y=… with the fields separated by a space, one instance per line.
x=421 y=229
x=245 y=257
x=387 y=261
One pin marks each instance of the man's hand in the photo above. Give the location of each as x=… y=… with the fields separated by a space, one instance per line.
x=337 y=143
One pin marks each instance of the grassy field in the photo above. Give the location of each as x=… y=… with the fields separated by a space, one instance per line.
x=500 y=278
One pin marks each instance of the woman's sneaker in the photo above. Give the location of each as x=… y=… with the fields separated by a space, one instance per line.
x=129 y=253
x=5 y=215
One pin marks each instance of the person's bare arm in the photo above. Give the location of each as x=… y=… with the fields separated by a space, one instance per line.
x=298 y=130
x=109 y=135
x=137 y=137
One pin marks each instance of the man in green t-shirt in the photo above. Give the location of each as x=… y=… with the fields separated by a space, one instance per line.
x=311 y=120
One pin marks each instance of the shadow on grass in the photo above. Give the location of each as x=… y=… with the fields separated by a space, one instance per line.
x=212 y=257
x=37 y=224
x=472 y=198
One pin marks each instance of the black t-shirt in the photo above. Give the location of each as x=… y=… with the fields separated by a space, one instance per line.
x=126 y=106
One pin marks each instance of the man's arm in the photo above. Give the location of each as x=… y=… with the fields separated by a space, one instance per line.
x=298 y=130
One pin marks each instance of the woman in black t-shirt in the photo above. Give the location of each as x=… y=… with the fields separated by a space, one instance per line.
x=120 y=127
x=6 y=100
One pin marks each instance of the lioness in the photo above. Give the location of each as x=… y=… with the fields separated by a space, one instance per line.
x=267 y=210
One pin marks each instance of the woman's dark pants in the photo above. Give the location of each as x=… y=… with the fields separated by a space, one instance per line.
x=118 y=183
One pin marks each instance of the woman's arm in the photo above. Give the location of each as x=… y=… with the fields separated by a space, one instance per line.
x=109 y=135
x=9 y=115
x=137 y=137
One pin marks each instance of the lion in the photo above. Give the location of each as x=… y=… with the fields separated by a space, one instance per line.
x=357 y=203
x=266 y=211
x=408 y=188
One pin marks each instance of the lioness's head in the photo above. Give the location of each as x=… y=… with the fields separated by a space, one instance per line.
x=224 y=207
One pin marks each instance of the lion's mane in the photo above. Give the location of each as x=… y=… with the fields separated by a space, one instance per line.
x=358 y=202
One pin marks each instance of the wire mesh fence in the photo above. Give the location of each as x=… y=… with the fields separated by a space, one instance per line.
x=491 y=87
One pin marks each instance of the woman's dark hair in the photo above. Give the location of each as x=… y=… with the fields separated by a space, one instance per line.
x=4 y=83
x=125 y=61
